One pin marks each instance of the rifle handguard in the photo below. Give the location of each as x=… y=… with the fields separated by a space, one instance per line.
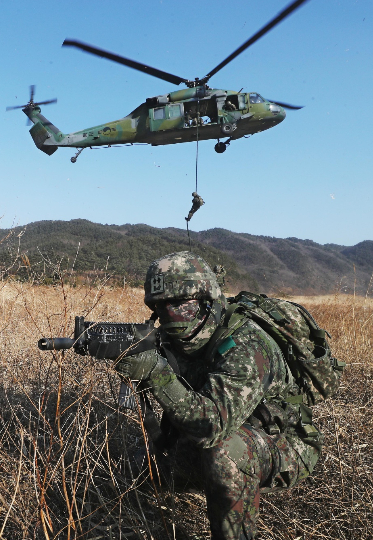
x=111 y=350
x=146 y=343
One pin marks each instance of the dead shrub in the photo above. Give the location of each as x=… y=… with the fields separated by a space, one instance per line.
x=66 y=447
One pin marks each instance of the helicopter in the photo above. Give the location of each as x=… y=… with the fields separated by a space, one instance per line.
x=195 y=113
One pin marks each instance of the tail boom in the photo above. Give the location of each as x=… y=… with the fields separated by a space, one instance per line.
x=45 y=135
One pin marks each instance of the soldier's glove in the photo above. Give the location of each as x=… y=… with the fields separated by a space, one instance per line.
x=141 y=366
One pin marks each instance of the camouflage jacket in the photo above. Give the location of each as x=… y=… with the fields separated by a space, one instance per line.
x=210 y=399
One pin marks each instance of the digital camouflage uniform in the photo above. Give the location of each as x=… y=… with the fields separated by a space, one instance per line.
x=230 y=408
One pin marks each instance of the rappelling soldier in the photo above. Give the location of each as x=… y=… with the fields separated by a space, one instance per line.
x=232 y=401
x=197 y=202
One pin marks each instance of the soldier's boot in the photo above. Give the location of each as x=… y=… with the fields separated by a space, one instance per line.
x=243 y=536
x=139 y=461
x=160 y=464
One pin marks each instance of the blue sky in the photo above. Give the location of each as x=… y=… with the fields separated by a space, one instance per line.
x=309 y=177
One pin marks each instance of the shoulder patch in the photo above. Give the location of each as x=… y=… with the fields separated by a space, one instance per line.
x=227 y=344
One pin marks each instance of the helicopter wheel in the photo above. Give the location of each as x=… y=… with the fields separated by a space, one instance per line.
x=73 y=160
x=227 y=129
x=220 y=147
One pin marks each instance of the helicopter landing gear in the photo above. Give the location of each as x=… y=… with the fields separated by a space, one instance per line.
x=228 y=128
x=74 y=158
x=220 y=147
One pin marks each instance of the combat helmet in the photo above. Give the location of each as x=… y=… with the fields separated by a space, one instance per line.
x=184 y=276
x=180 y=276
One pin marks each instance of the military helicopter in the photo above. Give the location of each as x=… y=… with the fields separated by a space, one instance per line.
x=192 y=114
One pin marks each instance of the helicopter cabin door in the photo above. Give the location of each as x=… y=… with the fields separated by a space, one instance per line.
x=170 y=116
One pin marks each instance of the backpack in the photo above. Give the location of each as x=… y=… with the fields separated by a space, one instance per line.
x=302 y=342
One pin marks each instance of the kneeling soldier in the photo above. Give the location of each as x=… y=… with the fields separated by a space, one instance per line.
x=229 y=400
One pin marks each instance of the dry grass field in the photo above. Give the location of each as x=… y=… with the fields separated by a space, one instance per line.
x=65 y=446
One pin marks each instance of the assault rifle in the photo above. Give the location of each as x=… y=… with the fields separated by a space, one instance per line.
x=106 y=340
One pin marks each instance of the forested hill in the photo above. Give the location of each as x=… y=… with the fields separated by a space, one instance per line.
x=260 y=263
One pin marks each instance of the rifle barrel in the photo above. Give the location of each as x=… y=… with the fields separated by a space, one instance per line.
x=55 y=344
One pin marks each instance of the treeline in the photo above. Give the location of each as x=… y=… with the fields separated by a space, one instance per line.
x=81 y=248
x=273 y=265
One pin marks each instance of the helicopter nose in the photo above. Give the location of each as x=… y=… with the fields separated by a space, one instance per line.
x=278 y=113
x=277 y=110
x=282 y=114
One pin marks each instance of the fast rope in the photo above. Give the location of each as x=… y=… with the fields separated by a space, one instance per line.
x=190 y=242
x=198 y=120
x=197 y=201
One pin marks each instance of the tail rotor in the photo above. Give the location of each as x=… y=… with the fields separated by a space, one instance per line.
x=32 y=103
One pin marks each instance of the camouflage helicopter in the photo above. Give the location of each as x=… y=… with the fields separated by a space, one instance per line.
x=195 y=113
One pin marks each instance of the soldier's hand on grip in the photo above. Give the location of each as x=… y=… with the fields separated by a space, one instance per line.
x=140 y=366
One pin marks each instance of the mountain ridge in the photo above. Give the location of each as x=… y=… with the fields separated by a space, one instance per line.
x=269 y=264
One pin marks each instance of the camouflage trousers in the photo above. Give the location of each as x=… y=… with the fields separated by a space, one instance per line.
x=235 y=471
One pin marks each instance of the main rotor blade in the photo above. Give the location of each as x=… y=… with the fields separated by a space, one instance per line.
x=282 y=15
x=46 y=102
x=33 y=104
x=32 y=92
x=16 y=107
x=286 y=105
x=174 y=79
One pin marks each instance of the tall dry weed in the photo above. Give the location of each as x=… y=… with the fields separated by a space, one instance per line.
x=66 y=447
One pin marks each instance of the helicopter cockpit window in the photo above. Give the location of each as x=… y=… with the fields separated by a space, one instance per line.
x=159 y=113
x=256 y=98
x=174 y=111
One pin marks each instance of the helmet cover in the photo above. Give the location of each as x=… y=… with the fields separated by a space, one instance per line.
x=180 y=276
